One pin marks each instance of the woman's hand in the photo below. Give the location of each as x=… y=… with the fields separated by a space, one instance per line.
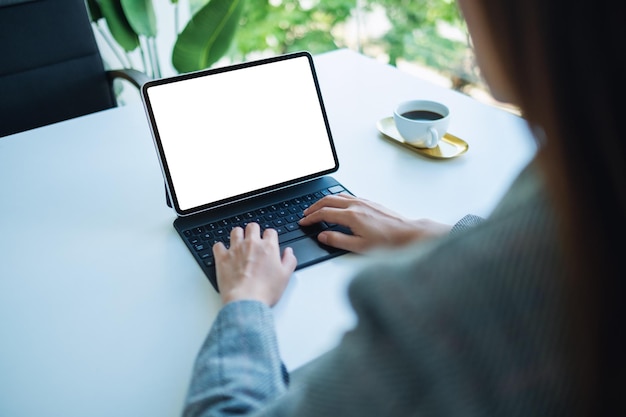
x=252 y=269
x=372 y=225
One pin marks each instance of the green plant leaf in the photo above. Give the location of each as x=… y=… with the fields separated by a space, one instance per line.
x=118 y=25
x=93 y=8
x=195 y=5
x=141 y=16
x=207 y=36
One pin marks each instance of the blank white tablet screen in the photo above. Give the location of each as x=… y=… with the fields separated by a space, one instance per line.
x=238 y=131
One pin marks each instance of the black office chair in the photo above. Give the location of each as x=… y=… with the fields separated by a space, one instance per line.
x=50 y=65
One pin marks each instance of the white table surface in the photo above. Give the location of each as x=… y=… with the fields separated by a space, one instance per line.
x=102 y=308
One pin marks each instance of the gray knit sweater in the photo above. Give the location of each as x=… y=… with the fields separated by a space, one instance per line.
x=468 y=325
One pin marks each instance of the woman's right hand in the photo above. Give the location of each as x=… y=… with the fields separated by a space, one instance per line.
x=372 y=225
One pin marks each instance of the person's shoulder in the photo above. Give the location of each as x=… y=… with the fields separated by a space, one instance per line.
x=512 y=256
x=527 y=192
x=488 y=299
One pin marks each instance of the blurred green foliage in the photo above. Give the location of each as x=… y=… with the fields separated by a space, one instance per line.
x=428 y=32
x=291 y=25
x=415 y=32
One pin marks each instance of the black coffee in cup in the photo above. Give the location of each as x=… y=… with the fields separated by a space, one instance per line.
x=422 y=115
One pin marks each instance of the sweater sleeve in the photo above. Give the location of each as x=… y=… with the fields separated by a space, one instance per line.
x=238 y=369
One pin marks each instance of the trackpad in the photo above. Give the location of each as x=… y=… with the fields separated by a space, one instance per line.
x=309 y=252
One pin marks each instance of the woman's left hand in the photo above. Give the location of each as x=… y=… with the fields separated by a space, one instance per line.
x=372 y=225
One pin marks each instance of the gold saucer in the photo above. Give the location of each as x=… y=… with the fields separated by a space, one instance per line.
x=449 y=146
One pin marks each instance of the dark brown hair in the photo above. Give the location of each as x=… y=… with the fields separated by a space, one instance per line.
x=567 y=61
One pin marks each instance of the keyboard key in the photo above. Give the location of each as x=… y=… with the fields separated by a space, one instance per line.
x=235 y=220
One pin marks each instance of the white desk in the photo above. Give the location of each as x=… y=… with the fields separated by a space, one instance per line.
x=102 y=308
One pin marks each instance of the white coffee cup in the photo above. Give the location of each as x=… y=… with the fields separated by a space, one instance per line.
x=422 y=123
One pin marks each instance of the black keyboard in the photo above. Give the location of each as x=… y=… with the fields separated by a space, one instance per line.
x=282 y=217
